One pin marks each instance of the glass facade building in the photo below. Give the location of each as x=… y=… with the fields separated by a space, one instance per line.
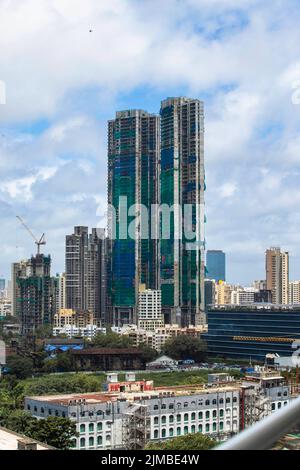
x=252 y=332
x=216 y=265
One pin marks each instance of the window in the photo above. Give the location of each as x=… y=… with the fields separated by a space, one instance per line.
x=193 y=416
x=214 y=427
x=200 y=402
x=200 y=428
x=221 y=401
x=108 y=437
x=207 y=415
x=91 y=427
x=214 y=414
x=171 y=419
x=279 y=405
x=207 y=427
x=28 y=407
x=228 y=400
x=163 y=433
x=200 y=415
x=82 y=428
x=155 y=407
x=221 y=413
x=221 y=425
x=155 y=420
x=178 y=418
x=91 y=442
x=186 y=404
x=179 y=405
x=49 y=411
x=164 y=419
x=207 y=403
x=193 y=403
x=35 y=408
x=42 y=410
x=193 y=429
x=156 y=434
x=171 y=406
x=273 y=406
x=285 y=403
x=56 y=413
x=82 y=442
x=186 y=430
x=234 y=399
x=99 y=427
x=178 y=432
x=99 y=440
x=214 y=402
x=63 y=414
x=163 y=406
x=186 y=417
x=171 y=432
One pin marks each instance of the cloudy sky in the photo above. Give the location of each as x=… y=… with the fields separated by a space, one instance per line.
x=242 y=57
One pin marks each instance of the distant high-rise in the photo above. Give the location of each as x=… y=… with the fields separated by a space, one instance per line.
x=277 y=274
x=61 y=292
x=133 y=180
x=182 y=187
x=216 y=265
x=35 y=293
x=86 y=271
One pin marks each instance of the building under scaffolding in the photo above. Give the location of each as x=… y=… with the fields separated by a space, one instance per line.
x=135 y=427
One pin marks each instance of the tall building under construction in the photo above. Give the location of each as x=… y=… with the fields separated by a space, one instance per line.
x=133 y=180
x=35 y=293
x=182 y=187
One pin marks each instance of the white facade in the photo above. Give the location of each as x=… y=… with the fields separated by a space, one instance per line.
x=89 y=331
x=61 y=292
x=243 y=296
x=149 y=310
x=294 y=292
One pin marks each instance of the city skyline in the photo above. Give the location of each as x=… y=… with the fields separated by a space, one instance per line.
x=53 y=146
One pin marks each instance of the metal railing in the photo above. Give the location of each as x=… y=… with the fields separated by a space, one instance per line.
x=264 y=434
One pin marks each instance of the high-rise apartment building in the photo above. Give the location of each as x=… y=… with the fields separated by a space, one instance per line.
x=149 y=309
x=216 y=265
x=35 y=293
x=277 y=275
x=182 y=188
x=61 y=292
x=86 y=271
x=133 y=187
x=294 y=292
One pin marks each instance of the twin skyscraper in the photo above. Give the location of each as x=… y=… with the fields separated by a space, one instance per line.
x=156 y=184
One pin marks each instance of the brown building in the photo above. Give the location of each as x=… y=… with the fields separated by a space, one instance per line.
x=277 y=275
x=103 y=359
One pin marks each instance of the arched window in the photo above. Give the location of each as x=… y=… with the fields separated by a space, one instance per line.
x=214 y=427
x=171 y=432
x=82 y=428
x=186 y=417
x=214 y=402
x=221 y=425
x=193 y=416
x=171 y=419
x=207 y=427
x=99 y=440
x=207 y=403
x=91 y=427
x=214 y=414
x=178 y=431
x=99 y=427
x=193 y=429
x=91 y=442
x=200 y=428
x=178 y=418
x=82 y=442
x=156 y=434
x=163 y=419
x=221 y=401
x=207 y=414
x=156 y=420
x=186 y=430
x=200 y=415
x=221 y=413
x=228 y=400
x=163 y=433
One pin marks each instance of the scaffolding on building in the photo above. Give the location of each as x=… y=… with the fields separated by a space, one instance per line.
x=135 y=427
x=255 y=406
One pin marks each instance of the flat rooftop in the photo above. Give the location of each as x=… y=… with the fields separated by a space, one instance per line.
x=106 y=397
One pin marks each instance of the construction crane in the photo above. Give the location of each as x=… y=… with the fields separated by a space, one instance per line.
x=39 y=242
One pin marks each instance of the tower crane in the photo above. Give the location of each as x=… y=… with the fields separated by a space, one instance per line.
x=39 y=242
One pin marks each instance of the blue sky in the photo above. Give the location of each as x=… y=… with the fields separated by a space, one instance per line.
x=63 y=83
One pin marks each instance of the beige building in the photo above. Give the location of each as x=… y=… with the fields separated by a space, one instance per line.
x=223 y=293
x=78 y=319
x=277 y=274
x=294 y=292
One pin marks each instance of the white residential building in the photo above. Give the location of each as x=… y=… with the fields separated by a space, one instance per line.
x=149 y=310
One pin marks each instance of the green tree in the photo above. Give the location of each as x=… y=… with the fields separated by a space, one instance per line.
x=21 y=367
x=148 y=354
x=56 y=432
x=188 y=442
x=21 y=422
x=185 y=347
